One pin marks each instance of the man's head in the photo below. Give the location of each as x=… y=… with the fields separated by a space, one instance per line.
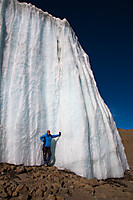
x=48 y=132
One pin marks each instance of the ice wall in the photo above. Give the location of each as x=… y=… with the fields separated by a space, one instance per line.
x=47 y=83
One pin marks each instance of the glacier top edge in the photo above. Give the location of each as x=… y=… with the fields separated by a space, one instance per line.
x=63 y=21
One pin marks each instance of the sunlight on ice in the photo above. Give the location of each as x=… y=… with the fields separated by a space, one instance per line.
x=47 y=83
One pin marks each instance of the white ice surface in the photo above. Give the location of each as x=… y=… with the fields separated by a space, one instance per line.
x=47 y=83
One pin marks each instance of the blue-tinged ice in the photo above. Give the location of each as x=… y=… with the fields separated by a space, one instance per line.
x=46 y=82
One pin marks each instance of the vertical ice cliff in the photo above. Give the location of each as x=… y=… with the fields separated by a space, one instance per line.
x=46 y=83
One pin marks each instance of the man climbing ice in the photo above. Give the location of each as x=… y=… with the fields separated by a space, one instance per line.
x=46 y=139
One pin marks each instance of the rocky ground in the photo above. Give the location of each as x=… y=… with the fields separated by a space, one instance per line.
x=19 y=182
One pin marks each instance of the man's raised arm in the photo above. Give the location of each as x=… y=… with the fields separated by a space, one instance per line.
x=57 y=135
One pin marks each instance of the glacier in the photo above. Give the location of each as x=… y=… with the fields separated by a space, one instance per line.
x=46 y=82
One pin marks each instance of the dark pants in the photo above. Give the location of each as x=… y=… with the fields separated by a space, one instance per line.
x=46 y=154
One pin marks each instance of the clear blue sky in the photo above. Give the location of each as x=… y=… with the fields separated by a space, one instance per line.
x=105 y=31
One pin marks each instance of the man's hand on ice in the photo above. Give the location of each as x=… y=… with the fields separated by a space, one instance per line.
x=59 y=133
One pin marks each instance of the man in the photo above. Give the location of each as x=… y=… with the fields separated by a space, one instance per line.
x=46 y=139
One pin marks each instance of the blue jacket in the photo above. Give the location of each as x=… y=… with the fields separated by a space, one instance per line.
x=48 y=139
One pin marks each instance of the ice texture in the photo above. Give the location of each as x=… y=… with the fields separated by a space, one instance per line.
x=46 y=82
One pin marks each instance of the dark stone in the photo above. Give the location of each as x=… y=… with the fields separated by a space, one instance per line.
x=20 y=169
